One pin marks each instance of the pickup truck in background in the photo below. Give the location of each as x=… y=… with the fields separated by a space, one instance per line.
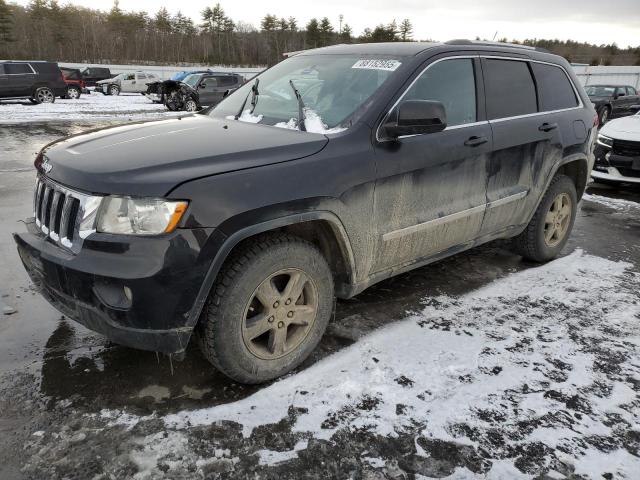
x=126 y=83
x=613 y=101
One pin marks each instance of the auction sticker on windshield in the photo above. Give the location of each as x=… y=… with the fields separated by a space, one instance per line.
x=389 y=65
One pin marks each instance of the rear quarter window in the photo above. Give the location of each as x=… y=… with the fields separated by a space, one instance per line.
x=17 y=68
x=509 y=88
x=554 y=88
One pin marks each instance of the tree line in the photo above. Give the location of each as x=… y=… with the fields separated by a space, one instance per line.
x=45 y=29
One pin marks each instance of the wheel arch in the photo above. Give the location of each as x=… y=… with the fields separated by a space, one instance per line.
x=322 y=228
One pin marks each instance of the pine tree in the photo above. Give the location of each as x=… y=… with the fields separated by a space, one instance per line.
x=6 y=23
x=345 y=35
x=406 y=30
x=313 y=33
x=326 y=32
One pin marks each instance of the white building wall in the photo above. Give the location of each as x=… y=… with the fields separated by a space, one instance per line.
x=617 y=75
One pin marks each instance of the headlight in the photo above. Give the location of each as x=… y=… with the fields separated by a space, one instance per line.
x=605 y=141
x=139 y=216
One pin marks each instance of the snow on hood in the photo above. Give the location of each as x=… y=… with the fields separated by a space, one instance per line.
x=516 y=347
x=626 y=128
x=312 y=122
x=247 y=117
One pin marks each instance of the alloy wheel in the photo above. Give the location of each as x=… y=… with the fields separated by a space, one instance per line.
x=44 y=95
x=557 y=220
x=73 y=93
x=190 y=106
x=280 y=314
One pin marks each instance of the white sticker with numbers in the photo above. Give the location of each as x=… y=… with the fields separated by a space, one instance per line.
x=388 y=65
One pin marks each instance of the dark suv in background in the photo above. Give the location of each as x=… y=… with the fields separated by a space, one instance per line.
x=91 y=75
x=40 y=82
x=333 y=170
x=613 y=101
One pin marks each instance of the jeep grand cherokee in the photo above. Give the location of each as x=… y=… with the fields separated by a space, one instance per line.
x=331 y=171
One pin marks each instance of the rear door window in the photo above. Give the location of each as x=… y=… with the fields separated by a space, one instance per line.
x=452 y=83
x=554 y=88
x=509 y=88
x=17 y=68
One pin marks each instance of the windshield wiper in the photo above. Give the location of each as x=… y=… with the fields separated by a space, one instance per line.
x=301 y=118
x=254 y=99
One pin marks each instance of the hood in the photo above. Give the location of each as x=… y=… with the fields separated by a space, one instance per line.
x=108 y=80
x=151 y=158
x=626 y=128
x=596 y=99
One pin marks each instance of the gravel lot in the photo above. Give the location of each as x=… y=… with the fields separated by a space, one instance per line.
x=480 y=366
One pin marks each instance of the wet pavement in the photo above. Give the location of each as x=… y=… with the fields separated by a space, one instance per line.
x=48 y=362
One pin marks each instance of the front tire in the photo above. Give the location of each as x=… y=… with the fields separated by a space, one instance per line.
x=73 y=93
x=114 y=90
x=268 y=309
x=604 y=115
x=191 y=105
x=549 y=229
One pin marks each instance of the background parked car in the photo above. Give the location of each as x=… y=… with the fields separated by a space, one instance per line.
x=178 y=77
x=75 y=84
x=612 y=101
x=40 y=82
x=618 y=151
x=126 y=83
x=199 y=90
x=92 y=75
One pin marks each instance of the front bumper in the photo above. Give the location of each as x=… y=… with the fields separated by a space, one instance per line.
x=615 y=167
x=137 y=291
x=612 y=174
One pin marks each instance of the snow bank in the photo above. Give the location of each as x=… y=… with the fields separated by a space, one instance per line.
x=617 y=204
x=520 y=349
x=88 y=107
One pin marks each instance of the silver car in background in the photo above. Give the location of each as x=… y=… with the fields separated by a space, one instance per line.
x=126 y=83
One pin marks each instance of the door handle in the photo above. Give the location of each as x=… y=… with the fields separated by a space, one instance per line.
x=547 y=127
x=475 y=141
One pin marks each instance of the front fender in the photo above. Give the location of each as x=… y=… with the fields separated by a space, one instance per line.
x=222 y=245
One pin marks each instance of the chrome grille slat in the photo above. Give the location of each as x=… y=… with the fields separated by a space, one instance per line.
x=53 y=212
x=44 y=209
x=64 y=219
x=38 y=199
x=58 y=213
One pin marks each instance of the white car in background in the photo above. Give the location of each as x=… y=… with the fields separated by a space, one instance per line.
x=126 y=83
x=617 y=151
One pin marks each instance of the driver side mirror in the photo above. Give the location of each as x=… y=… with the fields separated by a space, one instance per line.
x=620 y=94
x=415 y=117
x=202 y=85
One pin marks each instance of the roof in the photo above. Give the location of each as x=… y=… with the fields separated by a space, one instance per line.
x=389 y=48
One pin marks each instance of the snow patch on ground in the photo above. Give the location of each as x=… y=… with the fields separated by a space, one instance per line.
x=618 y=204
x=518 y=364
x=88 y=107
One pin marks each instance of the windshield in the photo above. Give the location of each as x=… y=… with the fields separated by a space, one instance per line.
x=332 y=89
x=600 y=91
x=192 y=80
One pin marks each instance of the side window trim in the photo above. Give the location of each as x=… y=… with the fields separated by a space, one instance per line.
x=480 y=113
x=529 y=61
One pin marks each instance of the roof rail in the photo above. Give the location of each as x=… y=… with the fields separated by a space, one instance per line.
x=464 y=41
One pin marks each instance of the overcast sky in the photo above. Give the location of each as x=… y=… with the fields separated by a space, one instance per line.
x=594 y=21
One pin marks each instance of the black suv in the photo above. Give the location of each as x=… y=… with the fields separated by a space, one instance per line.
x=40 y=82
x=613 y=101
x=331 y=171
x=195 y=91
x=91 y=75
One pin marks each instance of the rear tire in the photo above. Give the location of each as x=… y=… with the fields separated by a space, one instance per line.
x=549 y=229
x=268 y=308
x=43 y=95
